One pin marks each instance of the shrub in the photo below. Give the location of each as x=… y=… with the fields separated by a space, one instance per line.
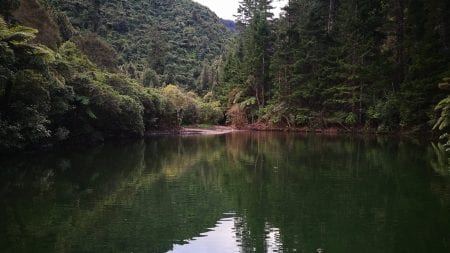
x=351 y=119
x=211 y=112
x=156 y=110
x=106 y=110
x=190 y=108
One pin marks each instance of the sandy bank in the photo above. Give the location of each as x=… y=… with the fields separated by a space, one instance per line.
x=215 y=130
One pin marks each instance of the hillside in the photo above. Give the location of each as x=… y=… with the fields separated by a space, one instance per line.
x=62 y=83
x=229 y=24
x=172 y=37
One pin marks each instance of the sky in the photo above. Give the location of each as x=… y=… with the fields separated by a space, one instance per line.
x=227 y=8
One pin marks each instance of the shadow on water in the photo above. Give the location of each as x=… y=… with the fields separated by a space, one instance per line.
x=242 y=192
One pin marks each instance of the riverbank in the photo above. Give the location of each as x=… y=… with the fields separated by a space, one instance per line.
x=338 y=130
x=217 y=130
x=212 y=130
x=220 y=130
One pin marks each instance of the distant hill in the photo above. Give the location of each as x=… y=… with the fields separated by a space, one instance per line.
x=229 y=24
x=172 y=37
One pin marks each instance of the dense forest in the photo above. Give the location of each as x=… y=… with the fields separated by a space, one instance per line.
x=78 y=71
x=170 y=38
x=85 y=71
x=346 y=64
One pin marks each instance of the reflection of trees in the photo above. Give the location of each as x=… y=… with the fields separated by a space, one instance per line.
x=340 y=194
x=441 y=161
x=107 y=198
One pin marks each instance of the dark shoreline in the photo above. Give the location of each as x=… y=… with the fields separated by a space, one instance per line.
x=221 y=130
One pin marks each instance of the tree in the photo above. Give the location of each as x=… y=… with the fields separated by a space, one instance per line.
x=150 y=78
x=25 y=103
x=257 y=49
x=326 y=58
x=18 y=53
x=206 y=77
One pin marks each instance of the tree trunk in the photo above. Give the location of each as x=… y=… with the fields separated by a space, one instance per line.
x=400 y=34
x=331 y=16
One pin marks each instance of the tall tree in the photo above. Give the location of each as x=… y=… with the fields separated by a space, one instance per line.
x=257 y=47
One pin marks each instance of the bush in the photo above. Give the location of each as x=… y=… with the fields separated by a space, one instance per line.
x=157 y=111
x=25 y=119
x=303 y=117
x=190 y=108
x=385 y=114
x=107 y=111
x=351 y=119
x=185 y=105
x=211 y=112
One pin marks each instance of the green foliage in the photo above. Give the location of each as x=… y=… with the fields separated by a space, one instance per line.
x=339 y=63
x=24 y=88
x=443 y=122
x=351 y=119
x=106 y=110
x=34 y=13
x=174 y=38
x=303 y=117
x=278 y=114
x=321 y=64
x=73 y=61
x=211 y=112
x=66 y=30
x=190 y=108
x=98 y=51
x=157 y=111
x=48 y=97
x=29 y=110
x=386 y=113
x=150 y=78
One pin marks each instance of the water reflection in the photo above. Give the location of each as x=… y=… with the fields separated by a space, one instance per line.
x=244 y=192
x=222 y=234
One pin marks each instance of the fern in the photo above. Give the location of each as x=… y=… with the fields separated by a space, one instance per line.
x=3 y=24
x=443 y=122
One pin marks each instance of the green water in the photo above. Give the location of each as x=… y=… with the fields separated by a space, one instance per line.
x=243 y=192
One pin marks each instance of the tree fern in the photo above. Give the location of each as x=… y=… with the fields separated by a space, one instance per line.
x=443 y=122
x=18 y=34
x=3 y=25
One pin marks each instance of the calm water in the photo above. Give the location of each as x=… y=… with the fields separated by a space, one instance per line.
x=244 y=192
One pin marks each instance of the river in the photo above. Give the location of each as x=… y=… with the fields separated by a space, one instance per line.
x=239 y=192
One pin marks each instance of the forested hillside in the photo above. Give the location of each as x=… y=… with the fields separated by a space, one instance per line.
x=61 y=81
x=174 y=38
x=346 y=64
